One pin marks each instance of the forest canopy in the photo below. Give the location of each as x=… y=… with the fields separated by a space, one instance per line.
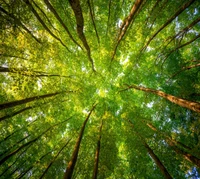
x=99 y=89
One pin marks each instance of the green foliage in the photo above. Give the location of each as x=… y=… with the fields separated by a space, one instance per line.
x=44 y=66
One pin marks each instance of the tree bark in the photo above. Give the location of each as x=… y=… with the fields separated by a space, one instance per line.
x=158 y=162
x=92 y=17
x=76 y=7
x=49 y=5
x=153 y=155
x=184 y=69
x=126 y=24
x=189 y=157
x=70 y=167
x=167 y=138
x=95 y=171
x=46 y=170
x=17 y=21
x=30 y=142
x=195 y=106
x=26 y=100
x=177 y=13
x=43 y=24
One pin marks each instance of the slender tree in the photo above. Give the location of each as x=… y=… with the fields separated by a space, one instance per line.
x=71 y=164
x=152 y=154
x=96 y=162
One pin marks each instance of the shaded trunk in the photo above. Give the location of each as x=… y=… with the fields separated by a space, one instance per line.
x=189 y=157
x=43 y=24
x=95 y=171
x=167 y=138
x=15 y=113
x=26 y=171
x=180 y=46
x=70 y=167
x=184 y=69
x=195 y=106
x=108 y=22
x=29 y=143
x=92 y=17
x=177 y=13
x=76 y=7
x=27 y=100
x=158 y=162
x=153 y=155
x=28 y=73
x=46 y=170
x=49 y=5
x=126 y=24
x=18 y=22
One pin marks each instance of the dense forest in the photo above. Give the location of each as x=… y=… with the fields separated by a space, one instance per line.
x=100 y=89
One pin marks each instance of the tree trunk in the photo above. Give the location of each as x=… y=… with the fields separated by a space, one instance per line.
x=76 y=7
x=30 y=142
x=70 y=167
x=49 y=5
x=95 y=172
x=195 y=106
x=46 y=170
x=43 y=24
x=153 y=155
x=15 y=113
x=180 y=10
x=27 y=100
x=158 y=162
x=17 y=21
x=126 y=24
x=184 y=69
x=189 y=157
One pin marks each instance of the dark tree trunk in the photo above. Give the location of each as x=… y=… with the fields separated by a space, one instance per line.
x=177 y=13
x=153 y=155
x=43 y=24
x=158 y=162
x=76 y=7
x=27 y=100
x=46 y=170
x=95 y=171
x=70 y=167
x=49 y=5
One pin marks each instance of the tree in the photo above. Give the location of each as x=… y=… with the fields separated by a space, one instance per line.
x=137 y=60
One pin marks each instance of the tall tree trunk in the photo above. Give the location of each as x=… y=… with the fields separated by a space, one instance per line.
x=27 y=100
x=95 y=171
x=15 y=113
x=158 y=162
x=195 y=106
x=76 y=7
x=49 y=5
x=70 y=167
x=189 y=157
x=30 y=142
x=53 y=160
x=92 y=17
x=153 y=155
x=25 y=72
x=185 y=68
x=18 y=22
x=167 y=138
x=43 y=24
x=177 y=13
x=126 y=24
